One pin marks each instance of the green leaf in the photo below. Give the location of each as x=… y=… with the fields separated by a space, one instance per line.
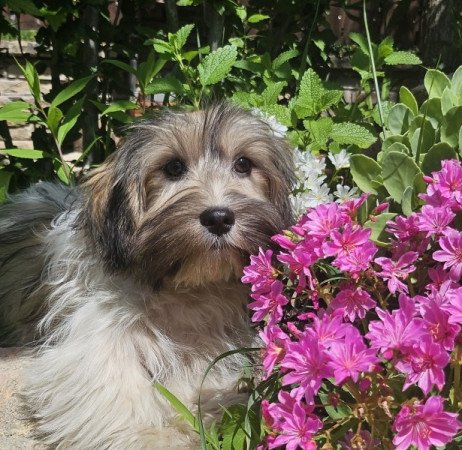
x=215 y=66
x=350 y=133
x=406 y=203
x=460 y=141
x=456 y=83
x=32 y=78
x=396 y=138
x=121 y=65
x=447 y=100
x=25 y=153
x=407 y=58
x=70 y=119
x=149 y=69
x=378 y=225
x=165 y=85
x=426 y=140
x=439 y=152
x=399 y=119
x=281 y=112
x=161 y=46
x=435 y=82
x=365 y=171
x=398 y=173
x=407 y=98
x=53 y=118
x=179 y=38
x=272 y=91
x=231 y=427
x=361 y=41
x=452 y=122
x=60 y=171
x=179 y=407
x=385 y=49
x=119 y=105
x=69 y=91
x=255 y=18
x=5 y=177
x=16 y=112
x=320 y=131
x=311 y=90
x=431 y=108
x=284 y=57
x=241 y=12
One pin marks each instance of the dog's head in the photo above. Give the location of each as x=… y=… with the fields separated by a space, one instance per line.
x=189 y=196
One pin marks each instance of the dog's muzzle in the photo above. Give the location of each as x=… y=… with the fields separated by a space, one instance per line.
x=217 y=220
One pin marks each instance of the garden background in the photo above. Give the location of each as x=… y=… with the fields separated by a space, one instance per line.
x=369 y=91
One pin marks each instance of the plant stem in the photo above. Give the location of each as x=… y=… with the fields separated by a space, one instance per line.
x=374 y=71
x=457 y=373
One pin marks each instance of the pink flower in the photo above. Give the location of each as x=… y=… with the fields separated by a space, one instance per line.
x=454 y=306
x=307 y=362
x=294 y=422
x=260 y=273
x=299 y=262
x=275 y=344
x=351 y=357
x=394 y=271
x=403 y=228
x=327 y=329
x=354 y=302
x=434 y=220
x=358 y=260
x=344 y=242
x=270 y=303
x=437 y=322
x=396 y=331
x=451 y=252
x=424 y=365
x=424 y=425
x=324 y=219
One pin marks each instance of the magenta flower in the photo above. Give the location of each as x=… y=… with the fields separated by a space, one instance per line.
x=403 y=228
x=260 y=272
x=448 y=181
x=358 y=260
x=394 y=271
x=434 y=220
x=294 y=422
x=270 y=303
x=454 y=306
x=437 y=321
x=344 y=242
x=354 y=302
x=324 y=219
x=396 y=331
x=327 y=329
x=451 y=252
x=424 y=365
x=424 y=425
x=307 y=362
x=299 y=262
x=351 y=357
x=275 y=341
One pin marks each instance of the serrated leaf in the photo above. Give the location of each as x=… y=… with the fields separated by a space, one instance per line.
x=350 y=133
x=406 y=58
x=281 y=112
x=284 y=57
x=361 y=41
x=16 y=112
x=364 y=171
x=69 y=91
x=256 y=18
x=25 y=153
x=311 y=90
x=271 y=93
x=385 y=48
x=399 y=119
x=407 y=98
x=216 y=65
x=181 y=36
x=320 y=131
x=398 y=173
x=378 y=225
x=435 y=82
x=161 y=46
x=439 y=152
x=165 y=85
x=450 y=126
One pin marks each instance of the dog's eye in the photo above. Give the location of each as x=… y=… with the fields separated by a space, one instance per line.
x=243 y=165
x=175 y=168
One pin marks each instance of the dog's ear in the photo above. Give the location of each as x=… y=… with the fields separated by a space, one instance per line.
x=112 y=201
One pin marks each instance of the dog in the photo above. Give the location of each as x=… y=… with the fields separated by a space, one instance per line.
x=133 y=277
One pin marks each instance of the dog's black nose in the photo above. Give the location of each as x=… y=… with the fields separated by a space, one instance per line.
x=217 y=220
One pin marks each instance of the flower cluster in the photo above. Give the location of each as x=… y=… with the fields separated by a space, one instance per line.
x=359 y=336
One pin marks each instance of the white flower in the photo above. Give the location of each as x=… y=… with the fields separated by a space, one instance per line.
x=344 y=193
x=309 y=168
x=317 y=196
x=340 y=160
x=278 y=129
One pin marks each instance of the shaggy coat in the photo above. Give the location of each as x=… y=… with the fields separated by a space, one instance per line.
x=129 y=280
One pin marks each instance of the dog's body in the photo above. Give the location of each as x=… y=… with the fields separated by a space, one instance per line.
x=133 y=278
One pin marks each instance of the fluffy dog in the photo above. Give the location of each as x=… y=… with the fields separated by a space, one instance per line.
x=133 y=277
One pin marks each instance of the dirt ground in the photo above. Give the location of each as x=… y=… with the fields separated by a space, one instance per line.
x=14 y=430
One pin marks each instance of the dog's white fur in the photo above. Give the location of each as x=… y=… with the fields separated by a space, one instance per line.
x=106 y=334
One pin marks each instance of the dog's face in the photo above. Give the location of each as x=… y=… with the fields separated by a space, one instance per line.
x=189 y=196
